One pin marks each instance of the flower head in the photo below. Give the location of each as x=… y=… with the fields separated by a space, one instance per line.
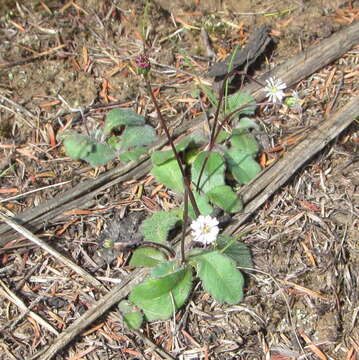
x=205 y=229
x=274 y=90
x=294 y=102
x=143 y=63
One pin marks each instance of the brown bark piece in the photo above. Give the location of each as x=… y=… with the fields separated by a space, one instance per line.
x=257 y=43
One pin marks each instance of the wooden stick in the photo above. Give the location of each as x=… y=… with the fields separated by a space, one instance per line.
x=57 y=255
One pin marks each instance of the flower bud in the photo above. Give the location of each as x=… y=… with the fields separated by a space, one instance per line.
x=143 y=64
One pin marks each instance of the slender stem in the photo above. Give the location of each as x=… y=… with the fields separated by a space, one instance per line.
x=185 y=220
x=229 y=116
x=216 y=129
x=165 y=128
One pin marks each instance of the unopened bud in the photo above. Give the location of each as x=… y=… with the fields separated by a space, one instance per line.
x=143 y=63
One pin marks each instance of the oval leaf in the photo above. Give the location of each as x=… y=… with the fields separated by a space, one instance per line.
x=203 y=205
x=244 y=142
x=100 y=154
x=236 y=250
x=77 y=146
x=220 y=277
x=242 y=166
x=169 y=174
x=117 y=117
x=160 y=157
x=224 y=197
x=82 y=147
x=146 y=257
x=237 y=100
x=131 y=316
x=160 y=298
x=138 y=136
x=157 y=227
x=134 y=154
x=213 y=173
x=247 y=123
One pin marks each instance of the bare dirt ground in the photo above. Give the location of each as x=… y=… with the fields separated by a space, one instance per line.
x=57 y=57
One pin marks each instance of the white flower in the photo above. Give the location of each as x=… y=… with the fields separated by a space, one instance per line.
x=205 y=229
x=274 y=90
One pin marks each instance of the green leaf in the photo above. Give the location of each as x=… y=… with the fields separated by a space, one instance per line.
x=210 y=94
x=220 y=277
x=213 y=173
x=169 y=174
x=247 y=123
x=225 y=198
x=242 y=166
x=244 y=142
x=236 y=250
x=203 y=205
x=77 y=146
x=237 y=100
x=159 y=298
x=160 y=157
x=157 y=227
x=82 y=147
x=183 y=144
x=131 y=316
x=138 y=136
x=133 y=155
x=100 y=154
x=146 y=257
x=113 y=142
x=117 y=117
x=199 y=137
x=223 y=135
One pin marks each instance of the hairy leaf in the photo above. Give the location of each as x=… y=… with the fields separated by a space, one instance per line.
x=138 y=136
x=82 y=147
x=236 y=250
x=77 y=145
x=213 y=173
x=224 y=197
x=242 y=166
x=99 y=155
x=117 y=117
x=132 y=317
x=237 y=100
x=169 y=174
x=157 y=227
x=244 y=142
x=146 y=257
x=220 y=277
x=160 y=297
x=133 y=155
x=247 y=123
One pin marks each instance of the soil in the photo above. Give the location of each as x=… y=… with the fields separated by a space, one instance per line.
x=57 y=57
